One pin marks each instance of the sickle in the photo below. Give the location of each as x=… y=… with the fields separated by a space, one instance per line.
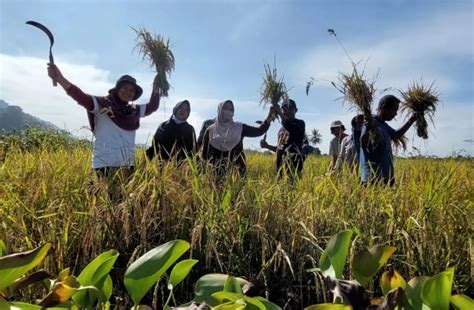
x=51 y=40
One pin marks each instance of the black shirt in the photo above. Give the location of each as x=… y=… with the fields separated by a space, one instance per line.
x=173 y=139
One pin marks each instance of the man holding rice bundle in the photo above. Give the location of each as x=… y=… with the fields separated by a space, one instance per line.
x=289 y=150
x=376 y=157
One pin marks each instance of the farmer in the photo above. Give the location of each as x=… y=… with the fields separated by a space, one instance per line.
x=114 y=121
x=222 y=143
x=204 y=127
x=175 y=137
x=289 y=153
x=376 y=156
x=350 y=145
x=337 y=129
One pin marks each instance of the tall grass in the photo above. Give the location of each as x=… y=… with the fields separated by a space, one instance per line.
x=252 y=227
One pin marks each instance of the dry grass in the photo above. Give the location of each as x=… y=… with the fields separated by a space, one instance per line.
x=156 y=49
x=421 y=101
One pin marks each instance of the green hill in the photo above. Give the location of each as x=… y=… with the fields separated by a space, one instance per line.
x=12 y=118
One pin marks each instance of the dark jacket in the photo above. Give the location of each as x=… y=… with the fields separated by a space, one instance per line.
x=172 y=139
x=235 y=156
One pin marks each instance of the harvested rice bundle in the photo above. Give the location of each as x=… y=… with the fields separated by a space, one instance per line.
x=400 y=143
x=359 y=92
x=421 y=101
x=273 y=89
x=158 y=52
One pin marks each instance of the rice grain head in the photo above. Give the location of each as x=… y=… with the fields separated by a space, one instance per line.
x=273 y=89
x=156 y=50
x=421 y=101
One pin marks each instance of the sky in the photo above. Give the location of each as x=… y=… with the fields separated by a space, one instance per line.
x=221 y=48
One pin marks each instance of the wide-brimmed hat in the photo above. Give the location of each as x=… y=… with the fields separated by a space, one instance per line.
x=336 y=124
x=128 y=79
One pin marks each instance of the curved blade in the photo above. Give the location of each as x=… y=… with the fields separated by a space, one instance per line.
x=42 y=27
x=50 y=36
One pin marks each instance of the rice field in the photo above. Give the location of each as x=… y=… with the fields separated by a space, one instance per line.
x=253 y=227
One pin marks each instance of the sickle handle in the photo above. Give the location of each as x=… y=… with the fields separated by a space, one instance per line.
x=51 y=61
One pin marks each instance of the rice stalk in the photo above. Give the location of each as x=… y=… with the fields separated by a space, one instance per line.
x=156 y=50
x=273 y=89
x=421 y=101
x=359 y=92
x=400 y=143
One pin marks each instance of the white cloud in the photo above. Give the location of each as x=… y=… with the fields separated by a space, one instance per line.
x=415 y=50
x=24 y=82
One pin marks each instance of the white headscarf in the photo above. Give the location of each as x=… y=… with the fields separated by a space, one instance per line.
x=176 y=107
x=223 y=135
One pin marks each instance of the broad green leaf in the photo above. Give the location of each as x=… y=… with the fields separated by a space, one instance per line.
x=107 y=288
x=93 y=291
x=64 y=273
x=391 y=279
x=233 y=305
x=232 y=285
x=3 y=248
x=437 y=290
x=251 y=303
x=254 y=303
x=461 y=302
x=180 y=271
x=16 y=265
x=23 y=306
x=61 y=292
x=149 y=268
x=226 y=296
x=328 y=307
x=334 y=256
x=268 y=305
x=413 y=292
x=366 y=263
x=209 y=284
x=95 y=274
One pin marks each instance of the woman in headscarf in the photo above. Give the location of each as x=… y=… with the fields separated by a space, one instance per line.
x=175 y=137
x=223 y=140
x=114 y=120
x=350 y=145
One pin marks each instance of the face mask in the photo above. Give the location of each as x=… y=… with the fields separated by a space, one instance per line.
x=177 y=120
x=227 y=116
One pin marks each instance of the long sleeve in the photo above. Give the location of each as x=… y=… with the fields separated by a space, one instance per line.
x=153 y=105
x=80 y=97
x=250 y=131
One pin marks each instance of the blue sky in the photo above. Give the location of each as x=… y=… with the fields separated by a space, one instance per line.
x=221 y=47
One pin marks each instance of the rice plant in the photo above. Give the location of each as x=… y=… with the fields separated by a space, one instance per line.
x=157 y=51
x=257 y=227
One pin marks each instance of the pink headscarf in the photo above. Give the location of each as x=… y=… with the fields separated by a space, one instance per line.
x=224 y=136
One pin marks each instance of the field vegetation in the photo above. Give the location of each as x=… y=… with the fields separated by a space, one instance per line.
x=260 y=228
